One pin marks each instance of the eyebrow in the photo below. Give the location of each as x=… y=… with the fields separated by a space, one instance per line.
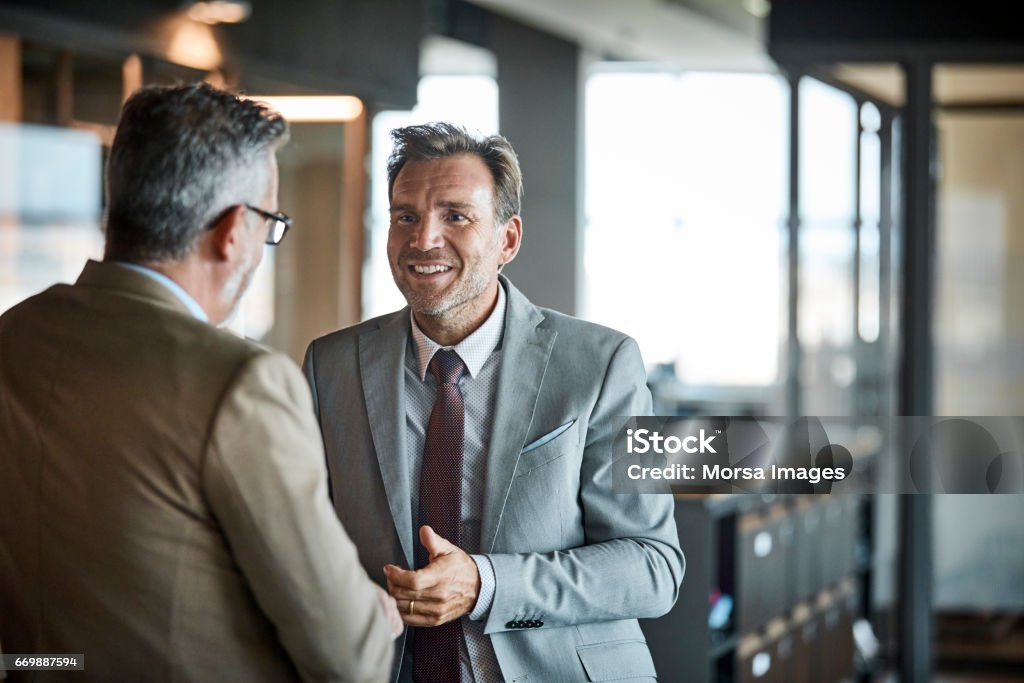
x=445 y=204
x=450 y=204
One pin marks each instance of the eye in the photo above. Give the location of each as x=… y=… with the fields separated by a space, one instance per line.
x=456 y=217
x=405 y=218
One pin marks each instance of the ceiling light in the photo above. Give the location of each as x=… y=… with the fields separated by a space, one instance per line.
x=311 y=108
x=759 y=8
x=193 y=45
x=220 y=11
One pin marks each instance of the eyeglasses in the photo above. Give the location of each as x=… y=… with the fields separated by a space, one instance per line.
x=278 y=223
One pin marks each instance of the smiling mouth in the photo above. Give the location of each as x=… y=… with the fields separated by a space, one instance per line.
x=429 y=270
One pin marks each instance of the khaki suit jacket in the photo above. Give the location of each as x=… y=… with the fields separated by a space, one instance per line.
x=164 y=499
x=575 y=563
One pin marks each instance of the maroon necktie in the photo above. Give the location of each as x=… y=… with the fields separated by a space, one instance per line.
x=436 y=649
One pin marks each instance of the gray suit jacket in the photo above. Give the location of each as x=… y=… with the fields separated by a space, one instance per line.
x=566 y=551
x=163 y=500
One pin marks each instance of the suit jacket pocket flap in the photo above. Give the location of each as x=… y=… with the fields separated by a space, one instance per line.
x=617 y=660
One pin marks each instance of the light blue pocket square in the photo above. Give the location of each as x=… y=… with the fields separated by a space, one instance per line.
x=547 y=438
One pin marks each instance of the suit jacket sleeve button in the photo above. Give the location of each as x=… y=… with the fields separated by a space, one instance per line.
x=539 y=624
x=510 y=624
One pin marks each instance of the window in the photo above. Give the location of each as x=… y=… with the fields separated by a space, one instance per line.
x=50 y=195
x=828 y=207
x=685 y=207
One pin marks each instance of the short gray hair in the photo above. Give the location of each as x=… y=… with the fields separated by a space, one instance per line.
x=432 y=141
x=182 y=155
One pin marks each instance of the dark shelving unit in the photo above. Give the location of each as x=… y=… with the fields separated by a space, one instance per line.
x=797 y=569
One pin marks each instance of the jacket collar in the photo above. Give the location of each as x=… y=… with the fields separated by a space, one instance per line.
x=125 y=281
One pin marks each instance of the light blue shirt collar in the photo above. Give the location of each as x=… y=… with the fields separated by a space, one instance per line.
x=173 y=287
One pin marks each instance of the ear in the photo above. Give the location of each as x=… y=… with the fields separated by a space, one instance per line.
x=511 y=238
x=227 y=232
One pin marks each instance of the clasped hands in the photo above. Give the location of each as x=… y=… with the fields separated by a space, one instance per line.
x=444 y=590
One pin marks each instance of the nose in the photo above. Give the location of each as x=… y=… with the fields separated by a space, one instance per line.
x=427 y=234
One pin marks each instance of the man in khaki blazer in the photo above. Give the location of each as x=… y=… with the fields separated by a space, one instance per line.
x=165 y=507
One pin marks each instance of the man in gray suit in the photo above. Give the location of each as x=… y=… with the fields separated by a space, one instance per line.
x=481 y=426
x=165 y=508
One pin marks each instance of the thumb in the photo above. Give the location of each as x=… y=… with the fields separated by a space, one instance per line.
x=435 y=544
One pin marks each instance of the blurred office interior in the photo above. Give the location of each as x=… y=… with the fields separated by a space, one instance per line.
x=798 y=207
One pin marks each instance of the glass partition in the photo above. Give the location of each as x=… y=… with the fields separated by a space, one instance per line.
x=979 y=340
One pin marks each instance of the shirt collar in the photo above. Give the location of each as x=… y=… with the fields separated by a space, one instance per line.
x=173 y=287
x=474 y=350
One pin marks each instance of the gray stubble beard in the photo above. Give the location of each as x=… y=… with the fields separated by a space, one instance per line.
x=452 y=299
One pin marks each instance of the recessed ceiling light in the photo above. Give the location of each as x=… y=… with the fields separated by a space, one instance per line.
x=220 y=11
x=759 y=8
x=313 y=108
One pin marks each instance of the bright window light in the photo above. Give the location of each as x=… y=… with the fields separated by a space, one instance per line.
x=685 y=207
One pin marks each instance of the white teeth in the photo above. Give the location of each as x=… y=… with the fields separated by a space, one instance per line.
x=430 y=270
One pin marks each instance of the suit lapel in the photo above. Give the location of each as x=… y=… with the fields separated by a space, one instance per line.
x=381 y=367
x=526 y=349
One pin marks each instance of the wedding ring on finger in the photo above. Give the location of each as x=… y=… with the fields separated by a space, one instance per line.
x=412 y=606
